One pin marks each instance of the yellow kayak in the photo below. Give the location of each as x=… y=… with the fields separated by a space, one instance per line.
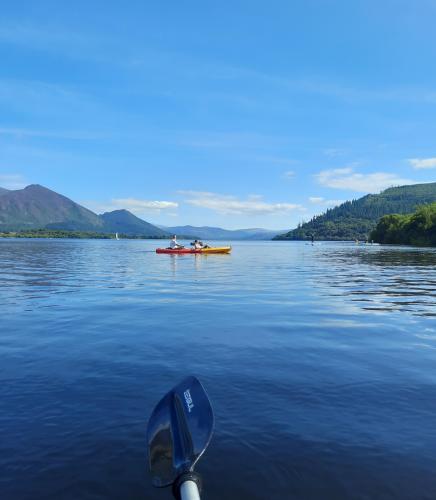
x=216 y=250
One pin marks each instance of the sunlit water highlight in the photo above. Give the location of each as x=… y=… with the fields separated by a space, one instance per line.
x=320 y=362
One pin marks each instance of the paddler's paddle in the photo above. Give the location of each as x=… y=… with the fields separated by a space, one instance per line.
x=179 y=431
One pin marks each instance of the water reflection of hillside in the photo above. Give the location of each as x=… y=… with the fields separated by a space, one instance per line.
x=389 y=257
x=383 y=279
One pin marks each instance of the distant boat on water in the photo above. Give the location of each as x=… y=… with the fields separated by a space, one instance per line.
x=116 y=236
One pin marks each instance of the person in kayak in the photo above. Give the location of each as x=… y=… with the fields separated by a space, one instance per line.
x=197 y=245
x=174 y=245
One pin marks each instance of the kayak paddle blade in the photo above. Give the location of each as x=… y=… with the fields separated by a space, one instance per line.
x=179 y=430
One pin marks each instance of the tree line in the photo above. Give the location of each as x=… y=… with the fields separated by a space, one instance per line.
x=418 y=228
x=356 y=219
x=60 y=233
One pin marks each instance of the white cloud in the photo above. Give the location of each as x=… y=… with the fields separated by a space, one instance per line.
x=333 y=203
x=12 y=181
x=347 y=178
x=231 y=205
x=134 y=205
x=316 y=199
x=420 y=163
x=319 y=200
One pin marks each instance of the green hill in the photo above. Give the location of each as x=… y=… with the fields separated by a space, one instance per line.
x=36 y=207
x=418 y=228
x=356 y=219
x=122 y=221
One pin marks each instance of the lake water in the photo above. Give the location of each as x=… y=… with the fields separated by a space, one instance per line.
x=320 y=362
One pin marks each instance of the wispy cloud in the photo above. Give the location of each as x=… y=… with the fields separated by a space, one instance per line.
x=334 y=152
x=81 y=45
x=316 y=199
x=27 y=34
x=355 y=93
x=347 y=178
x=421 y=163
x=232 y=205
x=134 y=205
x=276 y=160
x=309 y=84
x=73 y=44
x=12 y=181
x=84 y=45
x=319 y=200
x=51 y=134
x=289 y=174
x=230 y=140
x=37 y=97
x=318 y=85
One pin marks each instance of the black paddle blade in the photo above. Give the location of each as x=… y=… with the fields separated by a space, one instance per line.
x=179 y=430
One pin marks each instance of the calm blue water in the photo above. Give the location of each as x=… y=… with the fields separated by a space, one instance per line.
x=320 y=363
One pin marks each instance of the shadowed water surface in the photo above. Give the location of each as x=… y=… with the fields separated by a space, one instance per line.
x=320 y=362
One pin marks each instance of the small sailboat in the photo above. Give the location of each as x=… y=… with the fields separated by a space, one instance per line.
x=116 y=236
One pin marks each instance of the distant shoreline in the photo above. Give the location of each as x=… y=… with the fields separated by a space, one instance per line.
x=75 y=235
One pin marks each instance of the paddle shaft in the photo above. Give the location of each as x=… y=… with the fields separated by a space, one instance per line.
x=189 y=491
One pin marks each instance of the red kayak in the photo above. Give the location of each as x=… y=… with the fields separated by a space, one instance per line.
x=177 y=251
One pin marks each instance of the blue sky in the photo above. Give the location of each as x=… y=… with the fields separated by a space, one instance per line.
x=237 y=114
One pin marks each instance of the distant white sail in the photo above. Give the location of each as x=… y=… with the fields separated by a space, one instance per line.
x=116 y=236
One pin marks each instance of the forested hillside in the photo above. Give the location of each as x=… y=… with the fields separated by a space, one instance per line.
x=418 y=228
x=357 y=218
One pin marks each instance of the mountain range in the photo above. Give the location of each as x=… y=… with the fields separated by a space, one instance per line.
x=356 y=219
x=217 y=233
x=37 y=207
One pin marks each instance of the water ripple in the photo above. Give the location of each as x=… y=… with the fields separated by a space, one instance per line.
x=319 y=361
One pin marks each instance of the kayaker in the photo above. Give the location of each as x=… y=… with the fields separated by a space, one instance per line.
x=174 y=244
x=197 y=245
